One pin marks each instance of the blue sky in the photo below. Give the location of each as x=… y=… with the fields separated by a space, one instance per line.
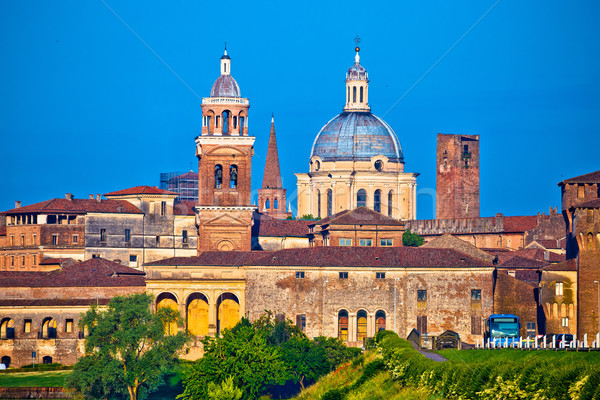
x=86 y=107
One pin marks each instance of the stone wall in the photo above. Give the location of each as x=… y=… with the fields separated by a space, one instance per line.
x=513 y=296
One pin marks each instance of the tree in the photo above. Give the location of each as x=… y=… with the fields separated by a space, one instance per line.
x=304 y=360
x=225 y=391
x=412 y=239
x=127 y=350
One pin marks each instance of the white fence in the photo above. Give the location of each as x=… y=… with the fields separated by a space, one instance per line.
x=553 y=342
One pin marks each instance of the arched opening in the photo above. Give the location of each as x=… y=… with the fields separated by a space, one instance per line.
x=168 y=300
x=380 y=320
x=225 y=122
x=343 y=325
x=590 y=241
x=361 y=94
x=275 y=204
x=563 y=310
x=235 y=122
x=47 y=360
x=361 y=325
x=361 y=198
x=218 y=176
x=354 y=94
x=228 y=311
x=49 y=328
x=390 y=202
x=242 y=121
x=217 y=121
x=329 y=202
x=225 y=245
x=197 y=315
x=377 y=201
x=318 y=203
x=348 y=95
x=7 y=329
x=6 y=361
x=268 y=204
x=233 y=176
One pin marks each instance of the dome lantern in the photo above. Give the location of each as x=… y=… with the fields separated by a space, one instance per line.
x=357 y=86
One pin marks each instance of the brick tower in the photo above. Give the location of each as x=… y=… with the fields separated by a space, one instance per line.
x=457 y=176
x=224 y=150
x=271 y=198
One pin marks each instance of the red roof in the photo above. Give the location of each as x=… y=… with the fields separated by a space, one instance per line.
x=90 y=273
x=77 y=206
x=56 y=261
x=536 y=254
x=272 y=175
x=588 y=204
x=568 y=265
x=522 y=262
x=592 y=177
x=184 y=208
x=358 y=216
x=188 y=175
x=265 y=225
x=141 y=190
x=520 y=223
x=345 y=257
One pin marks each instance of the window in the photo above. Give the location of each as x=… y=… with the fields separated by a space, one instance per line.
x=385 y=242
x=158 y=240
x=34 y=239
x=69 y=325
x=96 y=256
x=299 y=274
x=34 y=259
x=132 y=258
x=361 y=94
x=218 y=176
x=361 y=325
x=267 y=204
x=390 y=202
x=12 y=240
x=476 y=295
x=22 y=240
x=530 y=329
x=163 y=208
x=27 y=326
x=422 y=324
x=354 y=94
x=128 y=235
x=55 y=240
x=475 y=325
x=343 y=275
x=225 y=116
x=301 y=322
x=233 y=177
x=275 y=204
x=378 y=165
x=75 y=239
x=184 y=236
x=329 y=202
x=361 y=198
x=581 y=190
x=421 y=296
x=343 y=325
x=345 y=242
x=23 y=261
x=377 y=201
x=318 y=203
x=102 y=235
x=565 y=321
x=366 y=242
x=12 y=261
x=559 y=288
x=379 y=275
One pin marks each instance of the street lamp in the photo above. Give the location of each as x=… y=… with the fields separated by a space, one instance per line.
x=598 y=314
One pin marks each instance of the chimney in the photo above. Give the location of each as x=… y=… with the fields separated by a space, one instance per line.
x=69 y=196
x=98 y=197
x=17 y=204
x=91 y=197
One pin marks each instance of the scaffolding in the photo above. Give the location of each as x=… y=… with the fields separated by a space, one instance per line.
x=184 y=183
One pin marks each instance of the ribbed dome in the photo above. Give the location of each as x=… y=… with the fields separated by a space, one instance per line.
x=225 y=86
x=357 y=73
x=356 y=136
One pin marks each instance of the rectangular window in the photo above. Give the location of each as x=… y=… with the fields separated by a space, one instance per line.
x=385 y=242
x=22 y=240
x=559 y=288
x=75 y=239
x=475 y=325
x=27 y=326
x=12 y=261
x=379 y=275
x=12 y=240
x=23 y=261
x=95 y=255
x=55 y=240
x=34 y=239
x=565 y=321
x=476 y=295
x=581 y=190
x=34 y=259
x=103 y=235
x=158 y=241
x=345 y=242
x=422 y=324
x=163 y=208
x=530 y=329
x=421 y=296
x=127 y=236
x=343 y=275
x=132 y=258
x=366 y=242
x=184 y=236
x=301 y=322
x=69 y=325
x=299 y=274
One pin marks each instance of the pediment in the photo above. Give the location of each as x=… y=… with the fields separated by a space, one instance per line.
x=226 y=220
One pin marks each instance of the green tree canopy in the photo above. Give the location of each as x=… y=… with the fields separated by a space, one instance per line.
x=127 y=350
x=410 y=239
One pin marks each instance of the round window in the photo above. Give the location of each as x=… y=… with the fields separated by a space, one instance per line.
x=378 y=165
x=317 y=165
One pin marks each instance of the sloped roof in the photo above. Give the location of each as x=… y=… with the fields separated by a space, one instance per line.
x=188 y=175
x=588 y=204
x=448 y=241
x=568 y=265
x=536 y=254
x=56 y=261
x=592 y=177
x=141 y=190
x=77 y=206
x=522 y=262
x=272 y=175
x=358 y=216
x=184 y=208
x=90 y=273
x=520 y=223
x=214 y=258
x=265 y=225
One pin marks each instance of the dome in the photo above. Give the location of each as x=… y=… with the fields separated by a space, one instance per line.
x=356 y=136
x=357 y=73
x=225 y=86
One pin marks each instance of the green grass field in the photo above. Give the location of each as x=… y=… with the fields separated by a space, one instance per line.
x=34 y=379
x=516 y=355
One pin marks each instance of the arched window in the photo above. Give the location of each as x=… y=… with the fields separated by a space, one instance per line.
x=361 y=198
x=168 y=300
x=343 y=325
x=225 y=121
x=233 y=176
x=218 y=176
x=6 y=361
x=197 y=315
x=361 y=325
x=354 y=94
x=377 y=201
x=329 y=202
x=242 y=121
x=267 y=204
x=235 y=120
x=217 y=121
x=7 y=329
x=361 y=94
x=275 y=204
x=228 y=311
x=210 y=127
x=318 y=203
x=380 y=320
x=348 y=96
x=390 y=202
x=49 y=328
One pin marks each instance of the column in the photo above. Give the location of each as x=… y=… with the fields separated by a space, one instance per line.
x=352 y=327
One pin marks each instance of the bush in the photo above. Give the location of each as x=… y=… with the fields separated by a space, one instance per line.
x=334 y=394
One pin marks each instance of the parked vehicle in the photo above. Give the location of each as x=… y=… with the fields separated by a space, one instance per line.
x=502 y=329
x=564 y=340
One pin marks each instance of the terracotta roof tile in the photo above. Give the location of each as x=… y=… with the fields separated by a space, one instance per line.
x=568 y=265
x=77 y=206
x=592 y=177
x=520 y=223
x=522 y=262
x=536 y=254
x=272 y=175
x=359 y=216
x=53 y=302
x=588 y=204
x=184 y=208
x=448 y=241
x=93 y=272
x=55 y=261
x=214 y=258
x=265 y=225
x=141 y=190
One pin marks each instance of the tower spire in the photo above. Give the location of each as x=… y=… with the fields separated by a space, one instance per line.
x=272 y=177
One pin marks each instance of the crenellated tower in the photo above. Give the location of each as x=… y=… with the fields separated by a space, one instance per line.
x=224 y=150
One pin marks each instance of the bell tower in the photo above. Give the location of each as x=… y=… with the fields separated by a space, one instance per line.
x=224 y=150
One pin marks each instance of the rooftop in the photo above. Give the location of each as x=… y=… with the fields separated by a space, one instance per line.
x=141 y=190
x=358 y=216
x=265 y=225
x=592 y=177
x=77 y=206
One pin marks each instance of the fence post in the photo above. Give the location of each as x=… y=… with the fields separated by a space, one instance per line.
x=585 y=343
x=554 y=341
x=544 y=339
